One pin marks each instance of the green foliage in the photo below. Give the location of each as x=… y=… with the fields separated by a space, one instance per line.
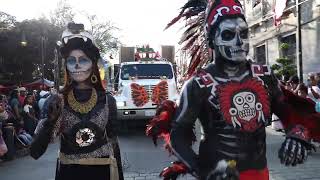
x=284 y=46
x=284 y=65
x=25 y=61
x=275 y=67
x=21 y=64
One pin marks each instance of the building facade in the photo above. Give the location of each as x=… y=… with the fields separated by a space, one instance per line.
x=266 y=38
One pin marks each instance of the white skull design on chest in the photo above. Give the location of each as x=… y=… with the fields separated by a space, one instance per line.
x=245 y=103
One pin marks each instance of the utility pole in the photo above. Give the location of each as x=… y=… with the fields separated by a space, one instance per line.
x=298 y=42
x=43 y=51
x=56 y=69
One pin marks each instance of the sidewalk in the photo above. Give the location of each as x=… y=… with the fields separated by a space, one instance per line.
x=149 y=176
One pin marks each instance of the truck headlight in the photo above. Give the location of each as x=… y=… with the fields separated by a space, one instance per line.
x=121 y=103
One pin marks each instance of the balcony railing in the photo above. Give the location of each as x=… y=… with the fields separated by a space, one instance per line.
x=260 y=11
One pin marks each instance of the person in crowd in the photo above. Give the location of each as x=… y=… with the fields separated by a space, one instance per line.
x=3 y=117
x=35 y=103
x=318 y=78
x=43 y=97
x=83 y=116
x=16 y=106
x=302 y=90
x=8 y=123
x=22 y=95
x=30 y=120
x=313 y=89
x=3 y=112
x=293 y=83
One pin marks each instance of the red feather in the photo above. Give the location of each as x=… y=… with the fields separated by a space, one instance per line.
x=173 y=21
x=173 y=171
x=194 y=64
x=191 y=41
x=160 y=124
x=195 y=50
x=193 y=13
x=160 y=127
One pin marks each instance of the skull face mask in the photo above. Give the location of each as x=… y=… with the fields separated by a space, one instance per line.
x=231 y=39
x=79 y=66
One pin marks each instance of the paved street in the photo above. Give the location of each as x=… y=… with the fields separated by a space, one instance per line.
x=141 y=160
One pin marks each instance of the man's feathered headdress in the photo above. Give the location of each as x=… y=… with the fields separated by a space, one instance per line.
x=201 y=19
x=193 y=38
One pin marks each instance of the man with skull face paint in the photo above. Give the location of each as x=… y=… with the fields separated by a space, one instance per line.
x=234 y=99
x=83 y=116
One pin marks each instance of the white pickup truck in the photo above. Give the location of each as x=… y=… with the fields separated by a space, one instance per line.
x=142 y=86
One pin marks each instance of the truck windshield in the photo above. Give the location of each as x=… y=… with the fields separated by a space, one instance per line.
x=146 y=71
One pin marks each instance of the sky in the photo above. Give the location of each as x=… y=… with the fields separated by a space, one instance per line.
x=140 y=21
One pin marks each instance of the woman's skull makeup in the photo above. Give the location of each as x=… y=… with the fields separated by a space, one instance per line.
x=231 y=39
x=79 y=66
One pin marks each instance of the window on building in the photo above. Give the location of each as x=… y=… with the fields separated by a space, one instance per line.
x=255 y=3
x=290 y=50
x=290 y=3
x=260 y=54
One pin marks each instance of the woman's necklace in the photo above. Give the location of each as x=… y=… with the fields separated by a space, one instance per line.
x=85 y=107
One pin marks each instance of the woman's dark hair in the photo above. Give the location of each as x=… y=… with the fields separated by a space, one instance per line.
x=91 y=51
x=86 y=46
x=303 y=88
x=14 y=94
x=294 y=79
x=26 y=99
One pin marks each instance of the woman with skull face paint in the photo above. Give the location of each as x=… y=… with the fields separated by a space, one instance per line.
x=233 y=99
x=83 y=116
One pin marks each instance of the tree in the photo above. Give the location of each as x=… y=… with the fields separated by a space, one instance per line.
x=62 y=14
x=284 y=66
x=102 y=32
x=7 y=21
x=22 y=63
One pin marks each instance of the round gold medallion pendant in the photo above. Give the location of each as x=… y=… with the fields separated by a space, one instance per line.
x=85 y=107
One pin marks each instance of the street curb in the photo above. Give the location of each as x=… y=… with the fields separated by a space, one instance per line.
x=151 y=176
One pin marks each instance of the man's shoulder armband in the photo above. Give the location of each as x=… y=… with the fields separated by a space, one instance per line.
x=259 y=70
x=204 y=79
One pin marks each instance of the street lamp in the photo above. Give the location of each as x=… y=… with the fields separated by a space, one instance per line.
x=23 y=41
x=56 y=65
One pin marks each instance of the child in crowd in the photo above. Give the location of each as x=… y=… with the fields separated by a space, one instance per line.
x=30 y=120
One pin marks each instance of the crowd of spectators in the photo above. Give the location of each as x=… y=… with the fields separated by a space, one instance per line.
x=309 y=90
x=19 y=116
